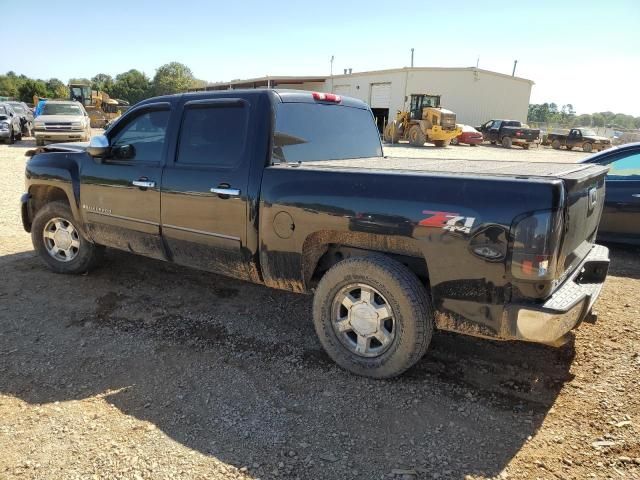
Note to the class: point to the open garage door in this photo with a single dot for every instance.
(380, 95)
(380, 102)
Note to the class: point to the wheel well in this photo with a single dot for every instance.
(319, 257)
(40, 195)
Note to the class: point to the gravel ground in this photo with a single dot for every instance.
(143, 369)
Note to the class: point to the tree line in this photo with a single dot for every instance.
(566, 116)
(131, 86)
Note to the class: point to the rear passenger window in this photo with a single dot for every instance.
(213, 135)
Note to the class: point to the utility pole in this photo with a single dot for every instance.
(412, 58)
(515, 62)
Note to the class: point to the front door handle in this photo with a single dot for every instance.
(144, 183)
(229, 192)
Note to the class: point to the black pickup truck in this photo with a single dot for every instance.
(508, 133)
(290, 190)
(584, 138)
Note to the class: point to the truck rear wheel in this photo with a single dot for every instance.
(556, 144)
(373, 316)
(417, 136)
(60, 243)
(587, 147)
(507, 142)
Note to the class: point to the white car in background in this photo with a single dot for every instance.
(62, 121)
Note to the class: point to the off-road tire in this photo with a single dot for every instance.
(406, 296)
(587, 147)
(391, 134)
(556, 144)
(507, 142)
(89, 254)
(417, 137)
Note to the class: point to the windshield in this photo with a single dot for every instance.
(3, 111)
(61, 109)
(308, 132)
(587, 131)
(18, 108)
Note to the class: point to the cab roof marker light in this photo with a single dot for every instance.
(326, 97)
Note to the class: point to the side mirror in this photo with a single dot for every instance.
(98, 146)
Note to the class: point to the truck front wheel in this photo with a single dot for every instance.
(556, 144)
(507, 142)
(587, 147)
(373, 316)
(60, 243)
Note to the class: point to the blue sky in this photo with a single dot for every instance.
(586, 53)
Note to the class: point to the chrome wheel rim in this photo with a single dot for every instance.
(61, 239)
(363, 320)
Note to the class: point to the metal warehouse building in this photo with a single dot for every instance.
(475, 95)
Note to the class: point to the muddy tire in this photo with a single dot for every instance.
(417, 136)
(59, 242)
(391, 133)
(556, 144)
(507, 142)
(373, 316)
(587, 147)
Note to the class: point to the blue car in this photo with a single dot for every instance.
(621, 215)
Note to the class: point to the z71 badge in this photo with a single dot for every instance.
(449, 221)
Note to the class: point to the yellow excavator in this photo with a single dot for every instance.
(426, 121)
(101, 108)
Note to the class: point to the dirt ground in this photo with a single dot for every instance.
(145, 370)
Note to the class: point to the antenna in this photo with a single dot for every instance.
(515, 62)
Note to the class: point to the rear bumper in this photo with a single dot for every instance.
(567, 307)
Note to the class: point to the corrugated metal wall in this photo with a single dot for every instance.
(475, 95)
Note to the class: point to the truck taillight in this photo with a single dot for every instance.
(518, 133)
(536, 241)
(326, 97)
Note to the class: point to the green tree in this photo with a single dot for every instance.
(173, 77)
(80, 80)
(102, 82)
(8, 86)
(29, 88)
(132, 86)
(583, 120)
(57, 89)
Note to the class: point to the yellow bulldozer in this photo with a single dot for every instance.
(101, 108)
(426, 121)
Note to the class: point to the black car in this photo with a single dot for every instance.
(26, 117)
(621, 215)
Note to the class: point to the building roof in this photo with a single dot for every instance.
(274, 81)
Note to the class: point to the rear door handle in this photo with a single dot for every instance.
(230, 192)
(144, 183)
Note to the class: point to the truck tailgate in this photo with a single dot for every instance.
(585, 191)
